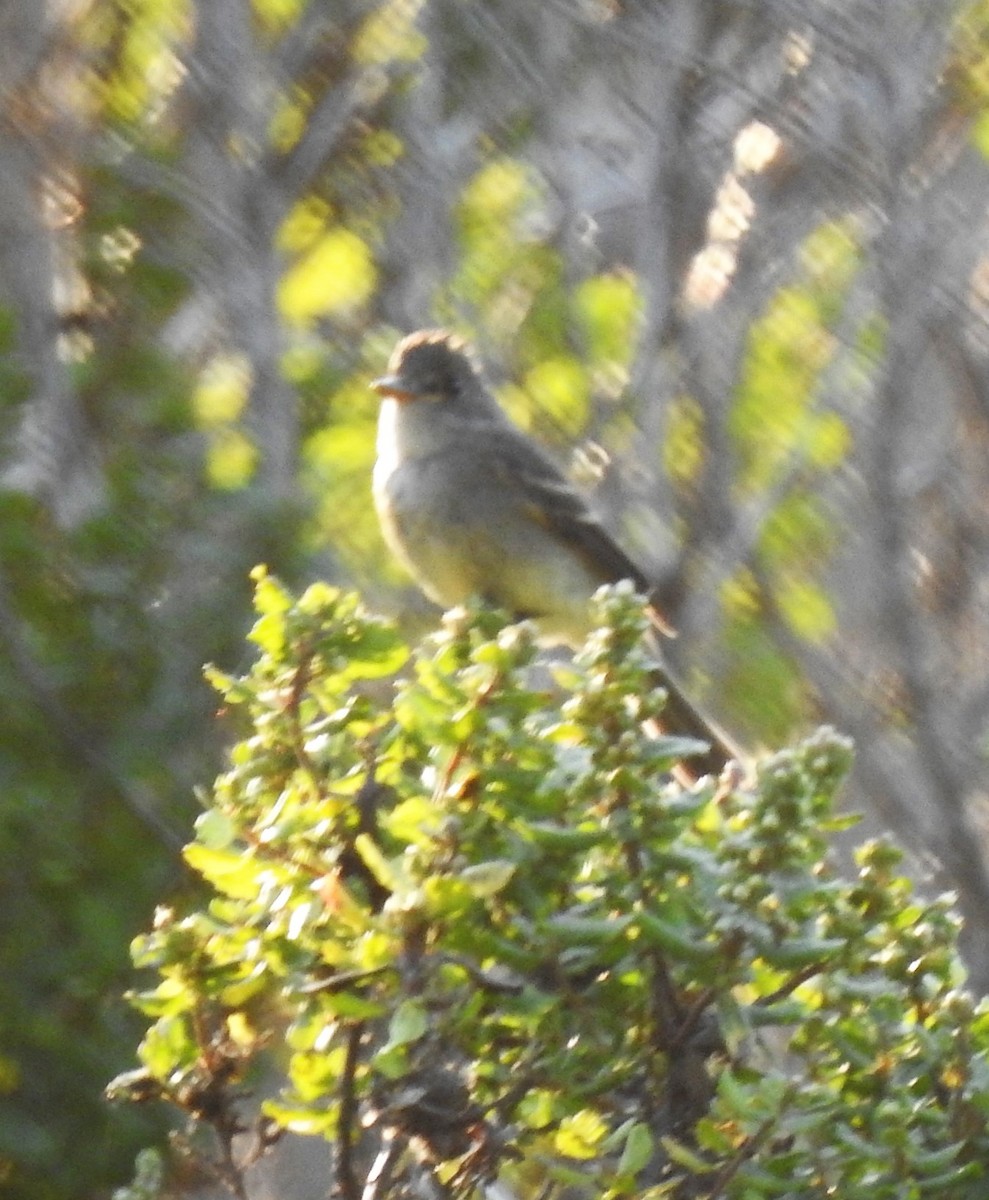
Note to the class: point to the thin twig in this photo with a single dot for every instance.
(791, 985)
(747, 1150)
(346, 1177)
(458, 755)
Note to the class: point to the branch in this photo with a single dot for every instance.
(345, 1175)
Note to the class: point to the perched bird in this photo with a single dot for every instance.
(473, 507)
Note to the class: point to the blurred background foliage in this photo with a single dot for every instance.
(734, 255)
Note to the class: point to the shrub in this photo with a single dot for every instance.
(484, 934)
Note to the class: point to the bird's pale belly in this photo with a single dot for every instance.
(456, 547)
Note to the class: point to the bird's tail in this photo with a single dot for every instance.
(682, 718)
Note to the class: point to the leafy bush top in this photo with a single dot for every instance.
(484, 934)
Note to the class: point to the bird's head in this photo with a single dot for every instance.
(433, 365)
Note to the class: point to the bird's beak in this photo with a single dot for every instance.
(392, 385)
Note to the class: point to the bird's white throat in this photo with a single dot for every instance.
(409, 429)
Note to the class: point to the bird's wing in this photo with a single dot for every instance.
(549, 498)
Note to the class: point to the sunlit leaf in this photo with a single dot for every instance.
(807, 609)
(390, 34)
(278, 14)
(301, 1119)
(233, 873)
(337, 275)
(580, 1135)
(560, 387)
(168, 1047)
(231, 460)
(609, 307)
(307, 221)
(222, 391)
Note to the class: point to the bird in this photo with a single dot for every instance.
(472, 506)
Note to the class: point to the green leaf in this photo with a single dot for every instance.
(352, 1006)
(301, 1120)
(680, 940)
(587, 931)
(798, 952)
(487, 879)
(408, 1024)
(168, 1048)
(235, 873)
(553, 836)
(387, 873)
(609, 308)
(685, 1157)
(269, 633)
(215, 830)
(637, 1151)
(560, 388)
(375, 651)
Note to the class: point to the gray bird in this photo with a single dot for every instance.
(473, 507)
